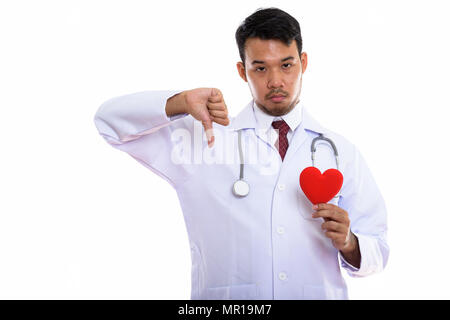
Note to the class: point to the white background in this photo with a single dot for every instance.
(81, 220)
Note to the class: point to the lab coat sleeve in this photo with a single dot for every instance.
(365, 205)
(138, 125)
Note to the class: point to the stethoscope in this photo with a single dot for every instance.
(241, 188)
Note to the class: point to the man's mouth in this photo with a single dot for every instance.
(277, 98)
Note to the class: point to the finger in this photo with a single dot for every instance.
(218, 114)
(334, 226)
(216, 105)
(207, 125)
(215, 95)
(222, 121)
(330, 214)
(329, 206)
(339, 238)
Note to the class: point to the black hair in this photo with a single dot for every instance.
(269, 23)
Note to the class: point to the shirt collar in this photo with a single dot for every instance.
(264, 120)
(253, 117)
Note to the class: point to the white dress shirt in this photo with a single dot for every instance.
(265, 245)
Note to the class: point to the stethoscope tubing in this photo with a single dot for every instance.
(241, 180)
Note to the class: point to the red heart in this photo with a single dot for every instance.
(318, 187)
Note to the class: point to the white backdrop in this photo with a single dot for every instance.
(81, 220)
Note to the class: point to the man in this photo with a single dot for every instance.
(272, 243)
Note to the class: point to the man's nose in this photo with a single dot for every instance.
(275, 80)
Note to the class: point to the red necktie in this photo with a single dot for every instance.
(282, 143)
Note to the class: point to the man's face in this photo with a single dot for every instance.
(273, 69)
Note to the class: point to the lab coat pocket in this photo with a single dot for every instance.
(313, 292)
(236, 292)
(304, 206)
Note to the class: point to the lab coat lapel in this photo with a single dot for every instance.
(246, 120)
(300, 134)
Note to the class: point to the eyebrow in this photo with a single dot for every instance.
(282, 60)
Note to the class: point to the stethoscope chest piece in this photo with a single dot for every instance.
(241, 188)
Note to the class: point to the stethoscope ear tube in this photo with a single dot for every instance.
(241, 157)
(241, 188)
(313, 148)
(313, 151)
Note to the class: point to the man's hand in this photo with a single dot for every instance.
(337, 226)
(204, 104)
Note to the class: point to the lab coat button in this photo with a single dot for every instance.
(282, 276)
(280, 230)
(281, 187)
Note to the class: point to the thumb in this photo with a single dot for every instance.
(207, 125)
(215, 95)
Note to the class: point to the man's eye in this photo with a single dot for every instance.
(259, 68)
(287, 64)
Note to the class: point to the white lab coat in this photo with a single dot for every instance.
(266, 245)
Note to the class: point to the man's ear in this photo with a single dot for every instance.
(241, 69)
(304, 59)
